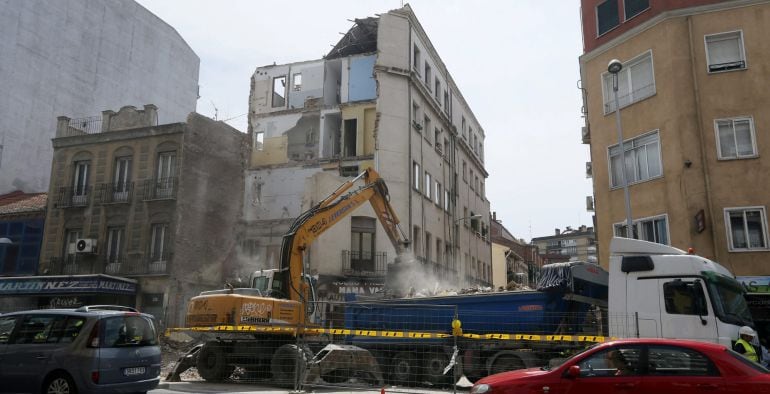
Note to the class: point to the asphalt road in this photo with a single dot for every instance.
(204, 387)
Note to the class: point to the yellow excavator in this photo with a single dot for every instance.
(280, 304)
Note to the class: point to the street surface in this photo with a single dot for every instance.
(204, 387)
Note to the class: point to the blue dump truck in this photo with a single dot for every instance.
(412, 338)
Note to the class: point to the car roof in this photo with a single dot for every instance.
(75, 312)
(664, 341)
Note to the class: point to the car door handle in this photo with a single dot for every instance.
(626, 385)
(708, 386)
(41, 357)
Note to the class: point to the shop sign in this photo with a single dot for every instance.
(755, 284)
(54, 285)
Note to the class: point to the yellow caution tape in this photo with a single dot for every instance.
(393, 334)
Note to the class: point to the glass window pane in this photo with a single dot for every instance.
(634, 7)
(607, 16)
(726, 139)
(676, 361)
(660, 228)
(617, 175)
(631, 174)
(653, 160)
(641, 164)
(745, 147)
(737, 230)
(754, 226)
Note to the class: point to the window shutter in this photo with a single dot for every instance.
(724, 49)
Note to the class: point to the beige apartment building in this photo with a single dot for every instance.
(381, 98)
(694, 108)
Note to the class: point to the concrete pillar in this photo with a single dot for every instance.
(150, 115)
(106, 118)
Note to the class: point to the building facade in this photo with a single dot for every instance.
(693, 106)
(574, 244)
(129, 198)
(21, 232)
(78, 57)
(382, 98)
(515, 263)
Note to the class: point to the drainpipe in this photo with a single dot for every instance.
(409, 169)
(701, 141)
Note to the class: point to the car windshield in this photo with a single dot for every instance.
(129, 330)
(260, 283)
(747, 362)
(727, 296)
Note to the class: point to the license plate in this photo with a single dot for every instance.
(133, 371)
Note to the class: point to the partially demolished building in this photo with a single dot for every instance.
(382, 98)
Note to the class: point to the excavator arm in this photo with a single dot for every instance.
(324, 215)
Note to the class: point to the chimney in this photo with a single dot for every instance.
(494, 216)
(558, 231)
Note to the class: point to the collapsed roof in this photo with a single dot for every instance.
(361, 38)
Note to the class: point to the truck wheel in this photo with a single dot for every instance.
(506, 362)
(434, 368)
(284, 364)
(402, 368)
(212, 364)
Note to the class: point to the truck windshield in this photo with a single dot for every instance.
(260, 283)
(727, 296)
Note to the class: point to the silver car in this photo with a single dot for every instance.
(92, 349)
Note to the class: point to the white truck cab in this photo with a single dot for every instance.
(658, 291)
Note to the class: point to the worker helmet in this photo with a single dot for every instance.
(746, 330)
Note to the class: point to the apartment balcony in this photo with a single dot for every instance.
(364, 264)
(72, 197)
(115, 193)
(160, 189)
(144, 266)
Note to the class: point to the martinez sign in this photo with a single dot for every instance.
(58, 285)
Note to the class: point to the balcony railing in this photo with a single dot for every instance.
(83, 264)
(160, 189)
(364, 264)
(115, 193)
(71, 197)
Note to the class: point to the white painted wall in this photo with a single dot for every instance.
(77, 58)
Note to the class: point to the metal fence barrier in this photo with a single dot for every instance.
(400, 346)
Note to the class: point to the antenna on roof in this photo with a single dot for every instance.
(216, 111)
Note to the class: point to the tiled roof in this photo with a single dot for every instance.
(19, 202)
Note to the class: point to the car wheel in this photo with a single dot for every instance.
(60, 383)
(435, 363)
(401, 368)
(284, 364)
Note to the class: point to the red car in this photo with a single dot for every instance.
(655, 366)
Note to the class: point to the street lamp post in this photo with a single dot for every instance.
(614, 68)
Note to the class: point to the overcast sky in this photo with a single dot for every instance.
(515, 62)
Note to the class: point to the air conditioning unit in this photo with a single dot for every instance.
(589, 203)
(85, 245)
(589, 169)
(585, 134)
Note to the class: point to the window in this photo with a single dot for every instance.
(473, 187)
(678, 361)
(427, 76)
(279, 91)
(428, 246)
(6, 328)
(635, 7)
(735, 138)
(725, 51)
(259, 140)
(426, 127)
(362, 236)
(437, 139)
(159, 243)
(446, 148)
(746, 228)
(438, 194)
(470, 132)
(166, 173)
(115, 241)
(447, 199)
(641, 159)
(615, 361)
(416, 58)
(428, 186)
(80, 182)
(465, 171)
(122, 179)
(636, 82)
(416, 241)
(350, 135)
(446, 102)
(437, 90)
(653, 229)
(684, 298)
(297, 82)
(439, 251)
(607, 16)
(417, 175)
(481, 189)
(465, 216)
(40, 329)
(476, 183)
(416, 117)
(462, 127)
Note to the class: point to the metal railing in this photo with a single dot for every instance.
(71, 197)
(85, 264)
(90, 125)
(74, 264)
(160, 189)
(113, 193)
(364, 264)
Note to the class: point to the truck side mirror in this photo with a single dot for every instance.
(573, 372)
